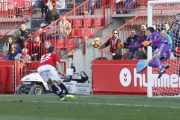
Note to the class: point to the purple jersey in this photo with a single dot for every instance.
(153, 36)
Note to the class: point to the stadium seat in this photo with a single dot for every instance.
(61, 44)
(88, 22)
(77, 32)
(70, 21)
(69, 43)
(77, 22)
(97, 22)
(87, 32)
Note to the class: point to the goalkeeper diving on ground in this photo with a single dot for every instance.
(162, 51)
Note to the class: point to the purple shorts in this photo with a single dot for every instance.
(164, 50)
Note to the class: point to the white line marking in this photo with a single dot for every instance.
(92, 103)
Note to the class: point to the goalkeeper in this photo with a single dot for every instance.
(162, 50)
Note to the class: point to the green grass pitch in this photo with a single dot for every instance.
(88, 107)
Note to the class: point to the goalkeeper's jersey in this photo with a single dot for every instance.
(157, 44)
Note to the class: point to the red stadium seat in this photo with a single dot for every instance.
(97, 22)
(69, 43)
(88, 22)
(87, 32)
(77, 22)
(61, 44)
(70, 21)
(77, 32)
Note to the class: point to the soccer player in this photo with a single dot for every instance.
(50, 75)
(162, 51)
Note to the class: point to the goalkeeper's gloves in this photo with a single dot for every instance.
(122, 45)
(146, 43)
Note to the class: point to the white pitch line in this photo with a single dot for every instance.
(92, 103)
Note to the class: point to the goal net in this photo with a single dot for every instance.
(164, 16)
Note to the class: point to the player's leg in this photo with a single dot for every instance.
(63, 88)
(55, 90)
(164, 52)
(55, 77)
(44, 73)
(156, 62)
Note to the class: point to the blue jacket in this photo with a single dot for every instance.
(7, 57)
(19, 50)
(168, 39)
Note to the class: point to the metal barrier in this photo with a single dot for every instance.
(83, 26)
(14, 13)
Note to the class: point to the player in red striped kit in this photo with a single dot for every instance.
(50, 75)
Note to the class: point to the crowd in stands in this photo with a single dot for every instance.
(170, 32)
(18, 47)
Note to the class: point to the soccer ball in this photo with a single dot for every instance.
(95, 43)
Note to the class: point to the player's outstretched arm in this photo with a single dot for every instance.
(121, 46)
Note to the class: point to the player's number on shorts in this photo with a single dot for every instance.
(45, 57)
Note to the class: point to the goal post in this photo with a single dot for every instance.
(161, 13)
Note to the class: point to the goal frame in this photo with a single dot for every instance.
(149, 56)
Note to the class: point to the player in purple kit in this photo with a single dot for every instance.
(162, 49)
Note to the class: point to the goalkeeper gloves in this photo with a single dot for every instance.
(146, 43)
(120, 45)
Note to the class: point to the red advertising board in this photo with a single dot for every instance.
(118, 76)
(121, 76)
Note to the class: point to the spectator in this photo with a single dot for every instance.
(65, 28)
(154, 26)
(8, 44)
(16, 46)
(174, 31)
(142, 35)
(167, 38)
(167, 28)
(140, 54)
(28, 43)
(5, 52)
(42, 4)
(127, 55)
(159, 28)
(29, 34)
(113, 42)
(95, 3)
(127, 4)
(38, 49)
(177, 19)
(132, 40)
(176, 38)
(13, 54)
(20, 35)
(25, 56)
(51, 15)
(29, 46)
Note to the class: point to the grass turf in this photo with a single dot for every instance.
(88, 107)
